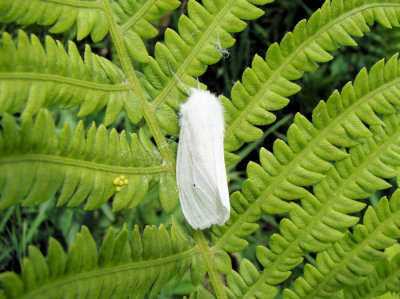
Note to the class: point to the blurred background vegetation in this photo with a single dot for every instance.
(23, 226)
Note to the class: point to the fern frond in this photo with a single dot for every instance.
(323, 217)
(83, 168)
(202, 35)
(348, 261)
(267, 85)
(127, 264)
(311, 149)
(306, 161)
(134, 17)
(32, 77)
(384, 277)
(87, 15)
(248, 275)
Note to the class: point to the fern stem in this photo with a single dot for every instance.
(138, 15)
(147, 109)
(65, 161)
(24, 76)
(76, 3)
(212, 273)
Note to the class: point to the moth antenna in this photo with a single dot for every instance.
(224, 52)
(179, 80)
(168, 142)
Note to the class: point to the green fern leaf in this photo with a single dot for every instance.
(119, 269)
(201, 37)
(87, 15)
(306, 159)
(135, 17)
(90, 17)
(267, 85)
(315, 226)
(348, 261)
(238, 283)
(52, 77)
(81, 168)
(385, 277)
(346, 153)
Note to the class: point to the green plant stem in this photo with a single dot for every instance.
(138, 15)
(147, 109)
(76, 3)
(212, 273)
(82, 164)
(28, 77)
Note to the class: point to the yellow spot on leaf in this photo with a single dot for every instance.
(126, 182)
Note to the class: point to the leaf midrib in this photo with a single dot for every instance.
(127, 66)
(75, 3)
(70, 162)
(138, 15)
(63, 80)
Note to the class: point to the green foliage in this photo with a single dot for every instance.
(58, 78)
(385, 275)
(320, 178)
(128, 263)
(353, 257)
(81, 168)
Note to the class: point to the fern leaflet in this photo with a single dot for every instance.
(311, 148)
(48, 77)
(82, 168)
(120, 268)
(323, 218)
(266, 86)
(349, 260)
(385, 276)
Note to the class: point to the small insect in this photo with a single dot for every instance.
(200, 166)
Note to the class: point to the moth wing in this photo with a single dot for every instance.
(201, 176)
(210, 174)
(189, 199)
(222, 181)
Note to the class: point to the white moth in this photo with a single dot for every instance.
(200, 166)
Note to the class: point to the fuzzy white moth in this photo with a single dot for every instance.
(200, 166)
